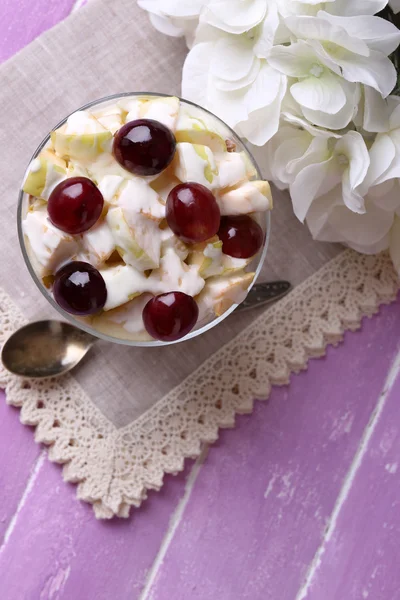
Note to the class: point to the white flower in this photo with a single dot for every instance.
(176, 18)
(323, 96)
(234, 16)
(355, 48)
(330, 220)
(229, 75)
(310, 81)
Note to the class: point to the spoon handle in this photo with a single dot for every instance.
(265, 293)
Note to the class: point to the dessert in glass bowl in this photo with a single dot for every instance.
(143, 219)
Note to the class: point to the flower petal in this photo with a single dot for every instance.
(361, 229)
(379, 34)
(381, 154)
(263, 123)
(376, 112)
(165, 25)
(196, 73)
(313, 181)
(343, 117)
(352, 145)
(233, 58)
(394, 169)
(386, 195)
(304, 124)
(234, 16)
(267, 33)
(351, 8)
(320, 93)
(182, 8)
(376, 71)
(295, 60)
(226, 86)
(315, 28)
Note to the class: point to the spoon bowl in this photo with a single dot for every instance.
(45, 349)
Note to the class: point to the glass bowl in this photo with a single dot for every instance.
(255, 265)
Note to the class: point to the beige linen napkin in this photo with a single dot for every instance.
(106, 48)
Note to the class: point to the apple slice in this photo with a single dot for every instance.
(130, 315)
(82, 137)
(196, 163)
(106, 163)
(195, 131)
(207, 256)
(123, 283)
(175, 275)
(48, 247)
(164, 110)
(43, 174)
(110, 186)
(137, 195)
(233, 168)
(130, 106)
(220, 293)
(99, 243)
(111, 118)
(164, 183)
(76, 169)
(137, 239)
(170, 240)
(248, 197)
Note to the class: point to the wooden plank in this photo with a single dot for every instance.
(360, 559)
(18, 458)
(261, 503)
(57, 549)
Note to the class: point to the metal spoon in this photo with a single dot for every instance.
(51, 348)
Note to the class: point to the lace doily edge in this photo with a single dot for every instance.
(106, 507)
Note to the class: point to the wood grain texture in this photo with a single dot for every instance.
(18, 457)
(361, 559)
(262, 501)
(57, 550)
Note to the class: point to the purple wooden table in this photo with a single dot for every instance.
(301, 500)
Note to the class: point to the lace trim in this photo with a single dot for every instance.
(113, 467)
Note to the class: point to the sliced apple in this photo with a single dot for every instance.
(123, 283)
(220, 293)
(174, 274)
(137, 195)
(110, 187)
(76, 169)
(195, 131)
(137, 239)
(164, 110)
(208, 257)
(99, 243)
(43, 174)
(233, 168)
(196, 163)
(106, 163)
(248, 197)
(170, 240)
(231, 264)
(130, 315)
(130, 107)
(82, 137)
(111, 118)
(48, 247)
(164, 183)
